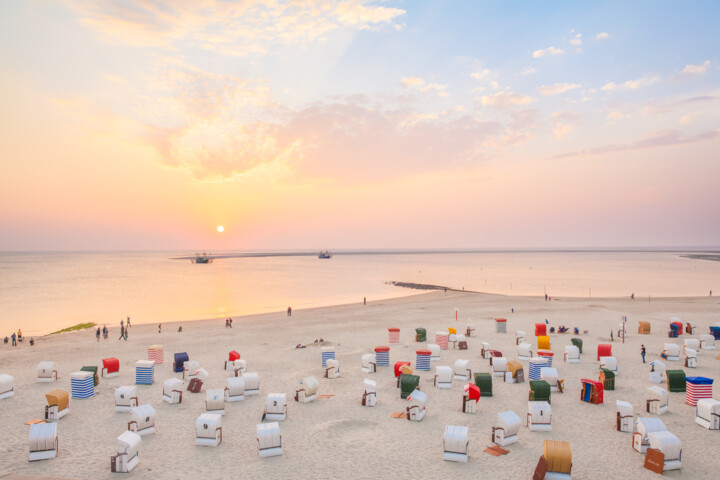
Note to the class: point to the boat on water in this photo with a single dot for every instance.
(201, 258)
(325, 254)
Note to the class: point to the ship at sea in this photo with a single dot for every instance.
(325, 254)
(204, 258)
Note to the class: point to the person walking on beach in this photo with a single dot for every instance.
(364, 300)
(611, 336)
(642, 352)
(14, 341)
(128, 321)
(122, 331)
(159, 327)
(105, 332)
(289, 311)
(97, 334)
(126, 334)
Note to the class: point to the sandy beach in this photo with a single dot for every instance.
(336, 436)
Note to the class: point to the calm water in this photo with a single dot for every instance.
(43, 292)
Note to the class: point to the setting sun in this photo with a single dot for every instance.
(220, 229)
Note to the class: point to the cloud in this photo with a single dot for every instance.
(615, 115)
(412, 82)
(659, 139)
(692, 71)
(562, 129)
(565, 122)
(576, 41)
(659, 108)
(631, 84)
(481, 74)
(528, 71)
(505, 99)
(422, 86)
(558, 88)
(547, 51)
(602, 36)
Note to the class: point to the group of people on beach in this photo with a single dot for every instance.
(228, 322)
(104, 333)
(15, 338)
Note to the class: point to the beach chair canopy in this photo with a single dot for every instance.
(408, 383)
(172, 384)
(42, 436)
(707, 407)
(540, 389)
(367, 359)
(549, 374)
(207, 424)
(461, 367)
(124, 393)
(540, 329)
(233, 355)
(671, 349)
(215, 398)
(60, 398)
(525, 349)
(558, 456)
(572, 351)
(252, 380)
(666, 442)
(444, 374)
(129, 443)
(420, 335)
(644, 328)
(604, 350)
(452, 331)
(645, 425)
(472, 391)
(456, 438)
(397, 367)
(509, 421)
(514, 366)
(45, 369)
(484, 381)
(7, 383)
(658, 393)
(658, 365)
(112, 365)
(520, 334)
(577, 342)
(235, 386)
(693, 343)
(676, 380)
(543, 342)
(310, 384)
(268, 435)
(144, 415)
(417, 397)
(180, 359)
(625, 409)
(370, 386)
(608, 362)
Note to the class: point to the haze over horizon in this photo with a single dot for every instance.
(147, 124)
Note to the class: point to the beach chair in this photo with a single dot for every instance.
(7, 386)
(393, 335)
(664, 449)
(111, 368)
(234, 389)
(416, 409)
(506, 429)
(715, 331)
(485, 350)
(443, 377)
(692, 343)
(179, 362)
(172, 391)
(239, 367)
(515, 372)
(369, 398)
(691, 360)
(399, 369)
(368, 364)
(555, 463)
(215, 401)
(441, 339)
(707, 413)
(675, 380)
(471, 396)
(657, 400)
(535, 366)
(230, 362)
(524, 351)
(671, 352)
(199, 373)
(499, 365)
(697, 388)
(578, 343)
(461, 341)
(126, 398)
(208, 430)
(643, 426)
(609, 363)
(58, 405)
(275, 406)
(462, 371)
(539, 416)
(624, 416)
(420, 335)
(382, 354)
(452, 340)
(543, 342)
(607, 378)
(540, 329)
(46, 372)
(539, 391)
(156, 353)
(252, 383)
(332, 369)
(519, 337)
(142, 419)
(144, 372)
(550, 375)
(707, 342)
(43, 441)
(128, 453)
(327, 353)
(592, 391)
(644, 328)
(484, 381)
(434, 351)
(455, 444)
(307, 390)
(657, 369)
(501, 325)
(690, 328)
(408, 383)
(82, 385)
(422, 359)
(269, 439)
(92, 369)
(572, 354)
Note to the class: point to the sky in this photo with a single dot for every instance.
(146, 124)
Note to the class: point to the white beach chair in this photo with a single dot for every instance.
(499, 366)
(519, 337)
(368, 363)
(208, 430)
(461, 340)
(691, 360)
(172, 390)
(707, 413)
(235, 389)
(657, 369)
(524, 351)
(506, 429)
(142, 419)
(624, 416)
(690, 328)
(416, 409)
(550, 375)
(369, 398)
(215, 401)
(643, 426)
(434, 351)
(46, 372)
(239, 367)
(252, 383)
(657, 400)
(275, 406)
(201, 374)
(610, 363)
(43, 441)
(7, 386)
(125, 398)
(539, 417)
(670, 447)
(332, 368)
(307, 390)
(269, 439)
(128, 453)
(572, 354)
(190, 369)
(462, 370)
(485, 350)
(692, 343)
(672, 352)
(443, 377)
(455, 443)
(58, 405)
(707, 341)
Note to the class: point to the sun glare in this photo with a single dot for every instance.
(220, 229)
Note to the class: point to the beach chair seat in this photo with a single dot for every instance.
(550, 375)
(234, 389)
(307, 389)
(416, 405)
(499, 365)
(215, 401)
(332, 369)
(572, 354)
(462, 371)
(43, 441)
(369, 398)
(128, 453)
(671, 352)
(643, 426)
(269, 439)
(172, 390)
(142, 419)
(506, 429)
(665, 447)
(368, 363)
(524, 351)
(46, 372)
(624, 416)
(276, 407)
(443, 377)
(455, 443)
(707, 413)
(539, 391)
(539, 416)
(126, 398)
(208, 430)
(7, 386)
(58, 405)
(252, 383)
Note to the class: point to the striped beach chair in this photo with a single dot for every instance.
(422, 360)
(326, 354)
(697, 388)
(535, 366)
(382, 355)
(156, 353)
(441, 339)
(393, 335)
(144, 372)
(82, 385)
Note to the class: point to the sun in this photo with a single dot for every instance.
(220, 229)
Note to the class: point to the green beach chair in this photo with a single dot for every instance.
(607, 378)
(577, 342)
(94, 372)
(408, 383)
(539, 391)
(484, 382)
(420, 335)
(675, 380)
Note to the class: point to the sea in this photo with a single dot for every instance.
(45, 292)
